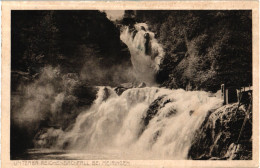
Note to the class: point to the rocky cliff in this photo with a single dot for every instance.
(222, 136)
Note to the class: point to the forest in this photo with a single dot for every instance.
(203, 48)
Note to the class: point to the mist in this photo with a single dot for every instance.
(42, 99)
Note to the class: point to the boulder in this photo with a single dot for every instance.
(119, 90)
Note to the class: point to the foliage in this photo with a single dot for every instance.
(203, 48)
(65, 38)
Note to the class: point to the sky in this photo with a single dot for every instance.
(114, 14)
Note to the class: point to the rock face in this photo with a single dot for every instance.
(124, 86)
(85, 94)
(218, 135)
(155, 106)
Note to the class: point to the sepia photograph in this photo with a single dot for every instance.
(128, 86)
(133, 84)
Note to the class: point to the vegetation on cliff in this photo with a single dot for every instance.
(223, 136)
(81, 42)
(203, 48)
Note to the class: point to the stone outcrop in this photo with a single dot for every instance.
(124, 86)
(219, 136)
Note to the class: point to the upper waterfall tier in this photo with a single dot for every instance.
(146, 52)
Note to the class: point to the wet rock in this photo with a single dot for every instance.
(218, 135)
(85, 94)
(106, 94)
(127, 85)
(191, 112)
(134, 33)
(143, 28)
(141, 85)
(154, 107)
(119, 90)
(123, 87)
(147, 44)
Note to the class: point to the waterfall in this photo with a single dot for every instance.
(140, 123)
(145, 122)
(146, 52)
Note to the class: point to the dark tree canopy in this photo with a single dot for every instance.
(67, 39)
(203, 48)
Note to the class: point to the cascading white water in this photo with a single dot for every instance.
(146, 52)
(116, 124)
(150, 122)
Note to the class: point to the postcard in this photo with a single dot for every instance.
(130, 84)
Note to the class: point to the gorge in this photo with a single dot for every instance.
(65, 103)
